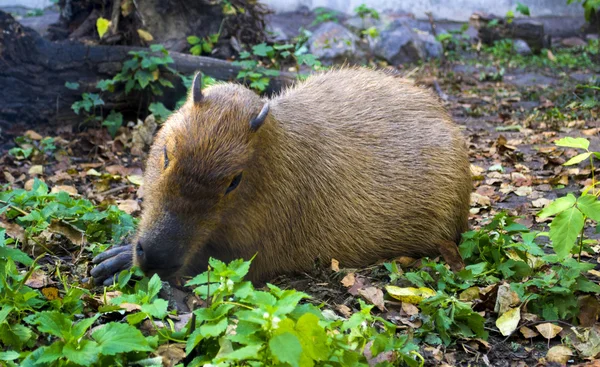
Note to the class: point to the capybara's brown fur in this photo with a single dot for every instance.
(352, 164)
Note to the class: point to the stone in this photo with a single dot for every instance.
(399, 44)
(432, 47)
(357, 24)
(333, 43)
(521, 47)
(573, 42)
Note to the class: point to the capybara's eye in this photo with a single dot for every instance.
(234, 183)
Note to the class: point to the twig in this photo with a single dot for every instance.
(114, 190)
(114, 20)
(432, 23)
(439, 90)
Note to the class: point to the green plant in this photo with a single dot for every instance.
(160, 112)
(264, 61)
(449, 318)
(454, 41)
(27, 147)
(273, 328)
(145, 70)
(113, 122)
(364, 12)
(324, 15)
(571, 213)
(252, 70)
(551, 293)
(590, 7)
(37, 209)
(89, 103)
(502, 247)
(202, 45)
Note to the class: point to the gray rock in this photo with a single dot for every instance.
(399, 44)
(333, 43)
(356, 24)
(521, 47)
(432, 47)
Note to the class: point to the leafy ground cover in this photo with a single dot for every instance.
(528, 296)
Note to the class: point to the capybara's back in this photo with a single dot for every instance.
(359, 166)
(352, 164)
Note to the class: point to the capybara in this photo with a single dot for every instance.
(352, 164)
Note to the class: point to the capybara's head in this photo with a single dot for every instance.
(195, 173)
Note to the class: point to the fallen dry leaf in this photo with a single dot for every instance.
(129, 206)
(374, 296)
(548, 330)
(33, 135)
(136, 179)
(171, 354)
(508, 322)
(38, 279)
(469, 294)
(410, 294)
(527, 332)
(506, 299)
(51, 293)
(348, 280)
(559, 354)
(344, 310)
(71, 190)
(410, 309)
(74, 235)
(589, 310)
(335, 265)
(36, 170)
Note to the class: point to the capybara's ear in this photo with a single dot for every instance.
(260, 118)
(197, 88)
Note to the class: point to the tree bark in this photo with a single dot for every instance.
(33, 73)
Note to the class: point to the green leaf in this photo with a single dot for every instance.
(53, 322)
(262, 49)
(159, 111)
(113, 122)
(286, 348)
(313, 336)
(157, 309)
(116, 337)
(590, 206)
(569, 142)
(557, 206)
(564, 230)
(143, 77)
(196, 50)
(10, 355)
(72, 85)
(51, 353)
(14, 335)
(523, 9)
(15, 255)
(250, 352)
(82, 326)
(85, 353)
(578, 158)
(192, 40)
(102, 25)
(213, 329)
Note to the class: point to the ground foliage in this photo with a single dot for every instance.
(528, 295)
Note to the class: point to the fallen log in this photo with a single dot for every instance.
(33, 73)
(491, 28)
